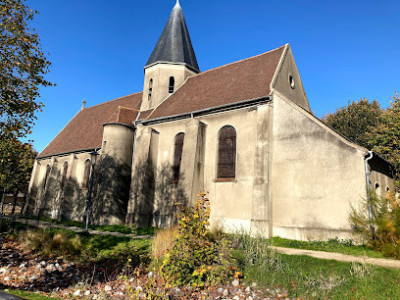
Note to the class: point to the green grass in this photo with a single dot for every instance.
(107, 228)
(312, 278)
(29, 295)
(334, 245)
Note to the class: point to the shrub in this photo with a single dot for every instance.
(197, 258)
(5, 225)
(382, 231)
(253, 251)
(50, 243)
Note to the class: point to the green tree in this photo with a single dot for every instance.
(22, 68)
(356, 120)
(16, 167)
(385, 137)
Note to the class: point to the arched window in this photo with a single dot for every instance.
(226, 152)
(150, 88)
(46, 176)
(64, 175)
(171, 86)
(178, 154)
(86, 174)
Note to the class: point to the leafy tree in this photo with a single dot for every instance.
(356, 120)
(22, 69)
(16, 167)
(385, 138)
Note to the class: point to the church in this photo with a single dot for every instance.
(243, 132)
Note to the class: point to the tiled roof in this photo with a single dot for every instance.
(239, 81)
(85, 130)
(123, 115)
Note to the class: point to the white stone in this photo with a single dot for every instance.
(226, 293)
(87, 293)
(235, 283)
(107, 288)
(248, 289)
(77, 293)
(139, 288)
(7, 278)
(236, 297)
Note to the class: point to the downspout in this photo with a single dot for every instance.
(367, 173)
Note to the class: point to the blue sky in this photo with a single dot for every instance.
(344, 50)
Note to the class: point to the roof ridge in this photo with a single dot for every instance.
(112, 100)
(238, 61)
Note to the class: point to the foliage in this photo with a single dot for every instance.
(5, 225)
(356, 120)
(385, 138)
(197, 258)
(16, 163)
(253, 252)
(22, 69)
(332, 245)
(382, 231)
(51, 244)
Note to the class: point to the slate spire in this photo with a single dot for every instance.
(174, 45)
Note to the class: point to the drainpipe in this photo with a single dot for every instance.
(367, 173)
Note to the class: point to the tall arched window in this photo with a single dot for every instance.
(171, 86)
(64, 175)
(150, 89)
(226, 152)
(86, 174)
(178, 154)
(46, 176)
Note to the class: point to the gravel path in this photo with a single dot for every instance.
(383, 262)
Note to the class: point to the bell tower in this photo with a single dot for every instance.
(171, 62)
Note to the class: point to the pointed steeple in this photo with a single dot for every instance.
(174, 45)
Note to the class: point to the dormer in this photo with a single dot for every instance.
(171, 62)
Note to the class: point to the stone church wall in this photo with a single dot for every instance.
(316, 175)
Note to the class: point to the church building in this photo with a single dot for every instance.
(243, 132)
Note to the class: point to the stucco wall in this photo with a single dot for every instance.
(160, 74)
(316, 174)
(295, 91)
(53, 201)
(231, 202)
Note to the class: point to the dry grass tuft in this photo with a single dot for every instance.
(163, 242)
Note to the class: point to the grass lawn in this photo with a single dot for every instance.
(344, 247)
(108, 228)
(29, 295)
(311, 278)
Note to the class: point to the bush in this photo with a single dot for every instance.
(51, 244)
(254, 252)
(197, 258)
(382, 231)
(5, 225)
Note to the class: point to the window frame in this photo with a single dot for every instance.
(176, 168)
(171, 85)
(87, 169)
(220, 177)
(64, 175)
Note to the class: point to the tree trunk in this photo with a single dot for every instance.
(15, 202)
(3, 195)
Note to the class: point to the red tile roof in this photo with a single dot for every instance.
(85, 130)
(242, 80)
(123, 115)
(239, 81)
